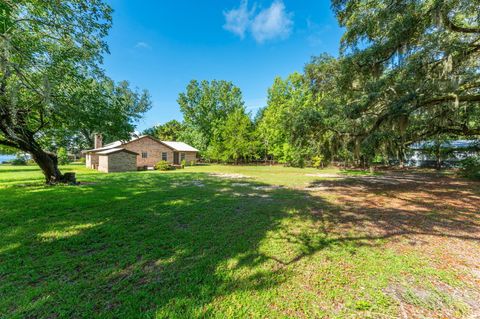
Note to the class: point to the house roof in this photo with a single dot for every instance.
(115, 150)
(176, 146)
(108, 146)
(180, 146)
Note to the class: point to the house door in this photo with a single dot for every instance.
(175, 158)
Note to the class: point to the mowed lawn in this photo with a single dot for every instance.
(235, 242)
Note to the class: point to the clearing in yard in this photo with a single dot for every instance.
(239, 241)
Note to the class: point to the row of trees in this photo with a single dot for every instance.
(407, 71)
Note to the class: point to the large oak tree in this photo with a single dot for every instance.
(51, 82)
(412, 68)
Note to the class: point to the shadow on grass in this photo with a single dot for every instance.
(406, 203)
(5, 168)
(164, 245)
(135, 243)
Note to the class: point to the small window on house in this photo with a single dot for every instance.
(144, 154)
(164, 156)
(182, 156)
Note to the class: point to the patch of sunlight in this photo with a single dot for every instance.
(166, 261)
(9, 247)
(66, 232)
(120, 197)
(233, 262)
(175, 202)
(41, 189)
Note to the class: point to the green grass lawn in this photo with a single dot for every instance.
(186, 244)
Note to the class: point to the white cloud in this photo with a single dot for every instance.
(238, 20)
(268, 24)
(142, 45)
(271, 23)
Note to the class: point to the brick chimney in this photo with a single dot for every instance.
(97, 140)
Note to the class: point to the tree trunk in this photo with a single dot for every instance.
(401, 157)
(439, 159)
(48, 162)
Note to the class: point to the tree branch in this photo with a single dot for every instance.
(8, 143)
(448, 98)
(456, 28)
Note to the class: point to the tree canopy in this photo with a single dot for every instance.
(206, 105)
(51, 83)
(170, 131)
(411, 68)
(407, 71)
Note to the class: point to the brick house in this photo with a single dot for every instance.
(138, 153)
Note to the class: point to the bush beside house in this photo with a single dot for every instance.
(164, 166)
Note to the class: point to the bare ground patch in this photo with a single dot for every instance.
(324, 175)
(435, 216)
(229, 176)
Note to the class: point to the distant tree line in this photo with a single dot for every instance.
(407, 71)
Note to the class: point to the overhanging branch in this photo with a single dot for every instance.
(450, 98)
(457, 28)
(8, 143)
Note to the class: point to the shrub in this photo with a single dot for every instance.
(164, 166)
(62, 156)
(82, 160)
(317, 161)
(192, 163)
(470, 167)
(31, 162)
(183, 163)
(19, 161)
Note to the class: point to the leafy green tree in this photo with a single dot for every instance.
(193, 137)
(238, 137)
(5, 150)
(411, 68)
(206, 105)
(170, 131)
(274, 128)
(106, 107)
(51, 85)
(62, 155)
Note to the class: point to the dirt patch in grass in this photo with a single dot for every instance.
(229, 176)
(236, 194)
(196, 183)
(437, 301)
(241, 184)
(324, 175)
(267, 188)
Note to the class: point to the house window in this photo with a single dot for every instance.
(182, 156)
(164, 156)
(144, 154)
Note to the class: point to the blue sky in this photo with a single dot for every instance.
(162, 45)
